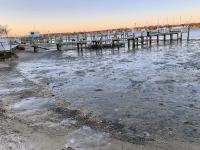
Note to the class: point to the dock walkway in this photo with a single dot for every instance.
(110, 39)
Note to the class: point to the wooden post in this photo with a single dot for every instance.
(150, 42)
(142, 40)
(118, 43)
(188, 36)
(113, 43)
(171, 37)
(78, 45)
(133, 43)
(181, 38)
(147, 40)
(81, 46)
(157, 39)
(177, 37)
(35, 47)
(58, 45)
(164, 38)
(129, 44)
(96, 44)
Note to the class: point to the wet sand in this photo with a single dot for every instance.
(142, 99)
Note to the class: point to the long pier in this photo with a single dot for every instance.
(108, 39)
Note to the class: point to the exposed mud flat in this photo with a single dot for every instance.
(28, 120)
(118, 99)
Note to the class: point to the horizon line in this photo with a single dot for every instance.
(107, 29)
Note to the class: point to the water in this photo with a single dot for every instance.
(195, 34)
(149, 92)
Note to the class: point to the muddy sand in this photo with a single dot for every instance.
(102, 100)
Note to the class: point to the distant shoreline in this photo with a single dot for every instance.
(137, 28)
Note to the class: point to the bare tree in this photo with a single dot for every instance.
(4, 29)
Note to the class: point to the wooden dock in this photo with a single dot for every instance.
(109, 39)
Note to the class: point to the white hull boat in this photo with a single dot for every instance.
(5, 43)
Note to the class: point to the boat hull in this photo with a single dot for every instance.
(6, 47)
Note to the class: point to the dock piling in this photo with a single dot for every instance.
(128, 44)
(150, 40)
(188, 34)
(134, 43)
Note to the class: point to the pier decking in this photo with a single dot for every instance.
(111, 39)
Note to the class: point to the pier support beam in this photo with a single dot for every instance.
(164, 38)
(128, 44)
(35, 48)
(150, 41)
(59, 46)
(181, 38)
(137, 42)
(171, 37)
(133, 43)
(80, 46)
(142, 40)
(158, 39)
(177, 37)
(188, 34)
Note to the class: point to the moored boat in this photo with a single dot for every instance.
(6, 44)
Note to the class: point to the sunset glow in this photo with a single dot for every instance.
(23, 16)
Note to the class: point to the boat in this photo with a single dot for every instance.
(34, 34)
(6, 44)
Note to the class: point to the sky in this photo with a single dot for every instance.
(54, 16)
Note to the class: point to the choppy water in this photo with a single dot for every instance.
(151, 92)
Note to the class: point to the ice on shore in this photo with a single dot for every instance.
(86, 138)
